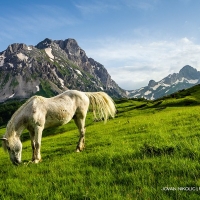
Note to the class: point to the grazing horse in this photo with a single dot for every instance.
(38, 113)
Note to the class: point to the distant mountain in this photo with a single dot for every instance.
(186, 78)
(49, 68)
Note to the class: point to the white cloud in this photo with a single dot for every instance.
(186, 40)
(132, 64)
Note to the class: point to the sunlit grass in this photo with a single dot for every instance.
(137, 155)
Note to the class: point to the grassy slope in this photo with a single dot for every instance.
(148, 146)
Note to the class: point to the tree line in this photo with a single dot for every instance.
(7, 109)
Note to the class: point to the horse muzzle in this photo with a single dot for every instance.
(16, 162)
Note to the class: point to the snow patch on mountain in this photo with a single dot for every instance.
(11, 96)
(140, 89)
(2, 58)
(11, 65)
(30, 48)
(156, 86)
(37, 88)
(49, 53)
(147, 92)
(193, 81)
(61, 82)
(152, 97)
(22, 57)
(79, 72)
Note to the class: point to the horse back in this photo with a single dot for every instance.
(60, 109)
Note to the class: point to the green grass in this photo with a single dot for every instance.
(147, 151)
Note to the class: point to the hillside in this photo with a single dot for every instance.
(150, 150)
(185, 97)
(49, 68)
(144, 153)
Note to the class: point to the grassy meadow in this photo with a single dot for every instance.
(149, 151)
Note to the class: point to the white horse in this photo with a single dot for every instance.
(39, 113)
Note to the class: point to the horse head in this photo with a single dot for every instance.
(14, 147)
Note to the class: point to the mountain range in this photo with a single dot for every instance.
(49, 68)
(186, 78)
(54, 66)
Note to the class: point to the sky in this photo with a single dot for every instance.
(135, 40)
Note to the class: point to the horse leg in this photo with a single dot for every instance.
(32, 136)
(80, 123)
(36, 144)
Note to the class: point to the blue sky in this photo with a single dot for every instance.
(136, 40)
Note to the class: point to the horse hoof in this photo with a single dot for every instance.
(78, 150)
(36, 161)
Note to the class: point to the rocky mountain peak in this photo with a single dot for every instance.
(49, 68)
(15, 47)
(71, 47)
(152, 83)
(44, 44)
(189, 72)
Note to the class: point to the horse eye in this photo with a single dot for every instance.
(8, 148)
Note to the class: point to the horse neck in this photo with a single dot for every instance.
(15, 126)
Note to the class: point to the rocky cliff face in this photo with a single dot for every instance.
(186, 78)
(49, 68)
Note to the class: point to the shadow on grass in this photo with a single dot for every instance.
(58, 129)
(51, 131)
(152, 151)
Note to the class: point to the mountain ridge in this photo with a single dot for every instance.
(185, 78)
(49, 68)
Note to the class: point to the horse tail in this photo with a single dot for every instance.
(102, 105)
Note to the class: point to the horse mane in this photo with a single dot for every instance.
(103, 106)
